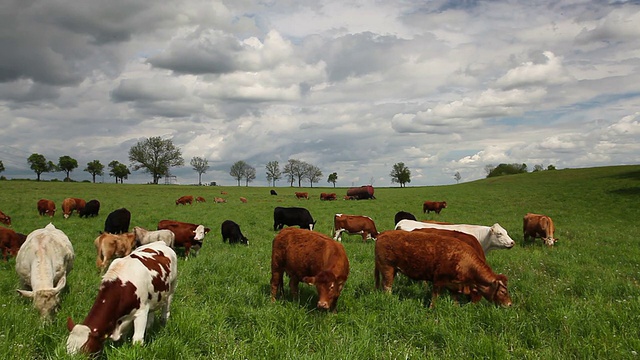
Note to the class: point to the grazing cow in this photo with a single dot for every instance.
(224, 193)
(68, 205)
(403, 215)
(442, 260)
(5, 219)
(243, 200)
(187, 235)
(302, 195)
(92, 208)
(310, 257)
(200, 199)
(292, 216)
(184, 200)
(109, 246)
(349, 197)
(219, 200)
(131, 290)
(464, 237)
(118, 221)
(354, 224)
(273, 192)
(144, 236)
(436, 206)
(536, 225)
(490, 238)
(80, 204)
(42, 264)
(10, 242)
(231, 231)
(328, 196)
(46, 207)
(361, 193)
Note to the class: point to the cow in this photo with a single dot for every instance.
(131, 290)
(92, 208)
(328, 196)
(273, 192)
(68, 205)
(464, 237)
(218, 200)
(200, 199)
(224, 193)
(187, 235)
(231, 231)
(117, 221)
(402, 215)
(144, 236)
(184, 200)
(113, 245)
(302, 195)
(436, 206)
(310, 257)
(42, 264)
(349, 197)
(354, 224)
(46, 207)
(292, 216)
(5, 219)
(441, 260)
(536, 225)
(10, 242)
(243, 200)
(490, 237)
(80, 204)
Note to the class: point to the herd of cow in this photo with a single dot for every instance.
(142, 273)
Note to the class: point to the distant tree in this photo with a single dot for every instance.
(333, 177)
(66, 163)
(457, 176)
(95, 168)
(39, 164)
(1, 166)
(312, 173)
(508, 169)
(400, 174)
(119, 171)
(238, 169)
(295, 169)
(156, 156)
(538, 168)
(488, 168)
(200, 165)
(551, 167)
(249, 174)
(273, 172)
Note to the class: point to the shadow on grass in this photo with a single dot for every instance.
(635, 175)
(631, 191)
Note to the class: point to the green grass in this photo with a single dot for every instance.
(579, 299)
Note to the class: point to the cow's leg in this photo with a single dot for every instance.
(365, 236)
(187, 247)
(140, 324)
(434, 295)
(293, 286)
(388, 274)
(338, 236)
(276, 284)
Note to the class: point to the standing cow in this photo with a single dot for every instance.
(187, 235)
(310, 257)
(10, 242)
(144, 236)
(113, 245)
(435, 206)
(184, 200)
(118, 221)
(68, 205)
(302, 195)
(92, 208)
(46, 207)
(231, 231)
(403, 215)
(354, 224)
(292, 216)
(536, 225)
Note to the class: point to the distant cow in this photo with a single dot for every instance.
(144, 236)
(200, 199)
(243, 200)
(444, 261)
(131, 290)
(10, 242)
(328, 196)
(436, 206)
(231, 231)
(354, 224)
(68, 205)
(46, 207)
(224, 193)
(80, 204)
(42, 264)
(310, 257)
(187, 235)
(109, 246)
(403, 215)
(292, 216)
(92, 208)
(184, 200)
(5, 219)
(219, 200)
(273, 192)
(118, 221)
(536, 225)
(302, 195)
(349, 197)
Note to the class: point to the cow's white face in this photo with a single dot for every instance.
(500, 238)
(199, 233)
(78, 336)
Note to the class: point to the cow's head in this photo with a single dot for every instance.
(5, 219)
(498, 292)
(200, 232)
(311, 225)
(46, 301)
(500, 239)
(549, 241)
(328, 287)
(83, 339)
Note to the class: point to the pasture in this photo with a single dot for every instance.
(579, 299)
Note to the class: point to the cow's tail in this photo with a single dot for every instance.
(376, 275)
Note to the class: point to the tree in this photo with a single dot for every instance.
(200, 165)
(538, 167)
(95, 168)
(551, 167)
(39, 164)
(156, 156)
(400, 174)
(457, 176)
(312, 173)
(488, 168)
(238, 170)
(249, 174)
(273, 172)
(66, 163)
(508, 169)
(1, 166)
(295, 169)
(119, 171)
(333, 177)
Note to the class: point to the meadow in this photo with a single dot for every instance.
(579, 299)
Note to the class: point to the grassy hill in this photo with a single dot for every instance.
(579, 299)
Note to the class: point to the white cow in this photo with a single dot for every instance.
(490, 237)
(144, 236)
(42, 264)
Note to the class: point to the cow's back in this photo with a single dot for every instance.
(46, 255)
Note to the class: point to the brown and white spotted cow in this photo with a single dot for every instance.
(354, 224)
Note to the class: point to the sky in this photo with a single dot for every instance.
(350, 87)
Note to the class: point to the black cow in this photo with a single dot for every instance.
(402, 215)
(118, 221)
(273, 192)
(230, 230)
(90, 209)
(292, 216)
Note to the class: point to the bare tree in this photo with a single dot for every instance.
(249, 174)
(200, 165)
(295, 169)
(238, 170)
(273, 172)
(312, 173)
(457, 176)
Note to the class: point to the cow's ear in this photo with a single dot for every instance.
(26, 293)
(70, 324)
(61, 283)
(206, 230)
(311, 280)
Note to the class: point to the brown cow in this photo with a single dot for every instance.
(436, 206)
(536, 225)
(354, 224)
(464, 237)
(46, 206)
(243, 200)
(224, 193)
(302, 195)
(310, 257)
(328, 196)
(5, 219)
(200, 199)
(187, 235)
(113, 245)
(184, 200)
(10, 242)
(219, 200)
(68, 205)
(80, 204)
(442, 260)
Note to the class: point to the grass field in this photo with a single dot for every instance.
(577, 300)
